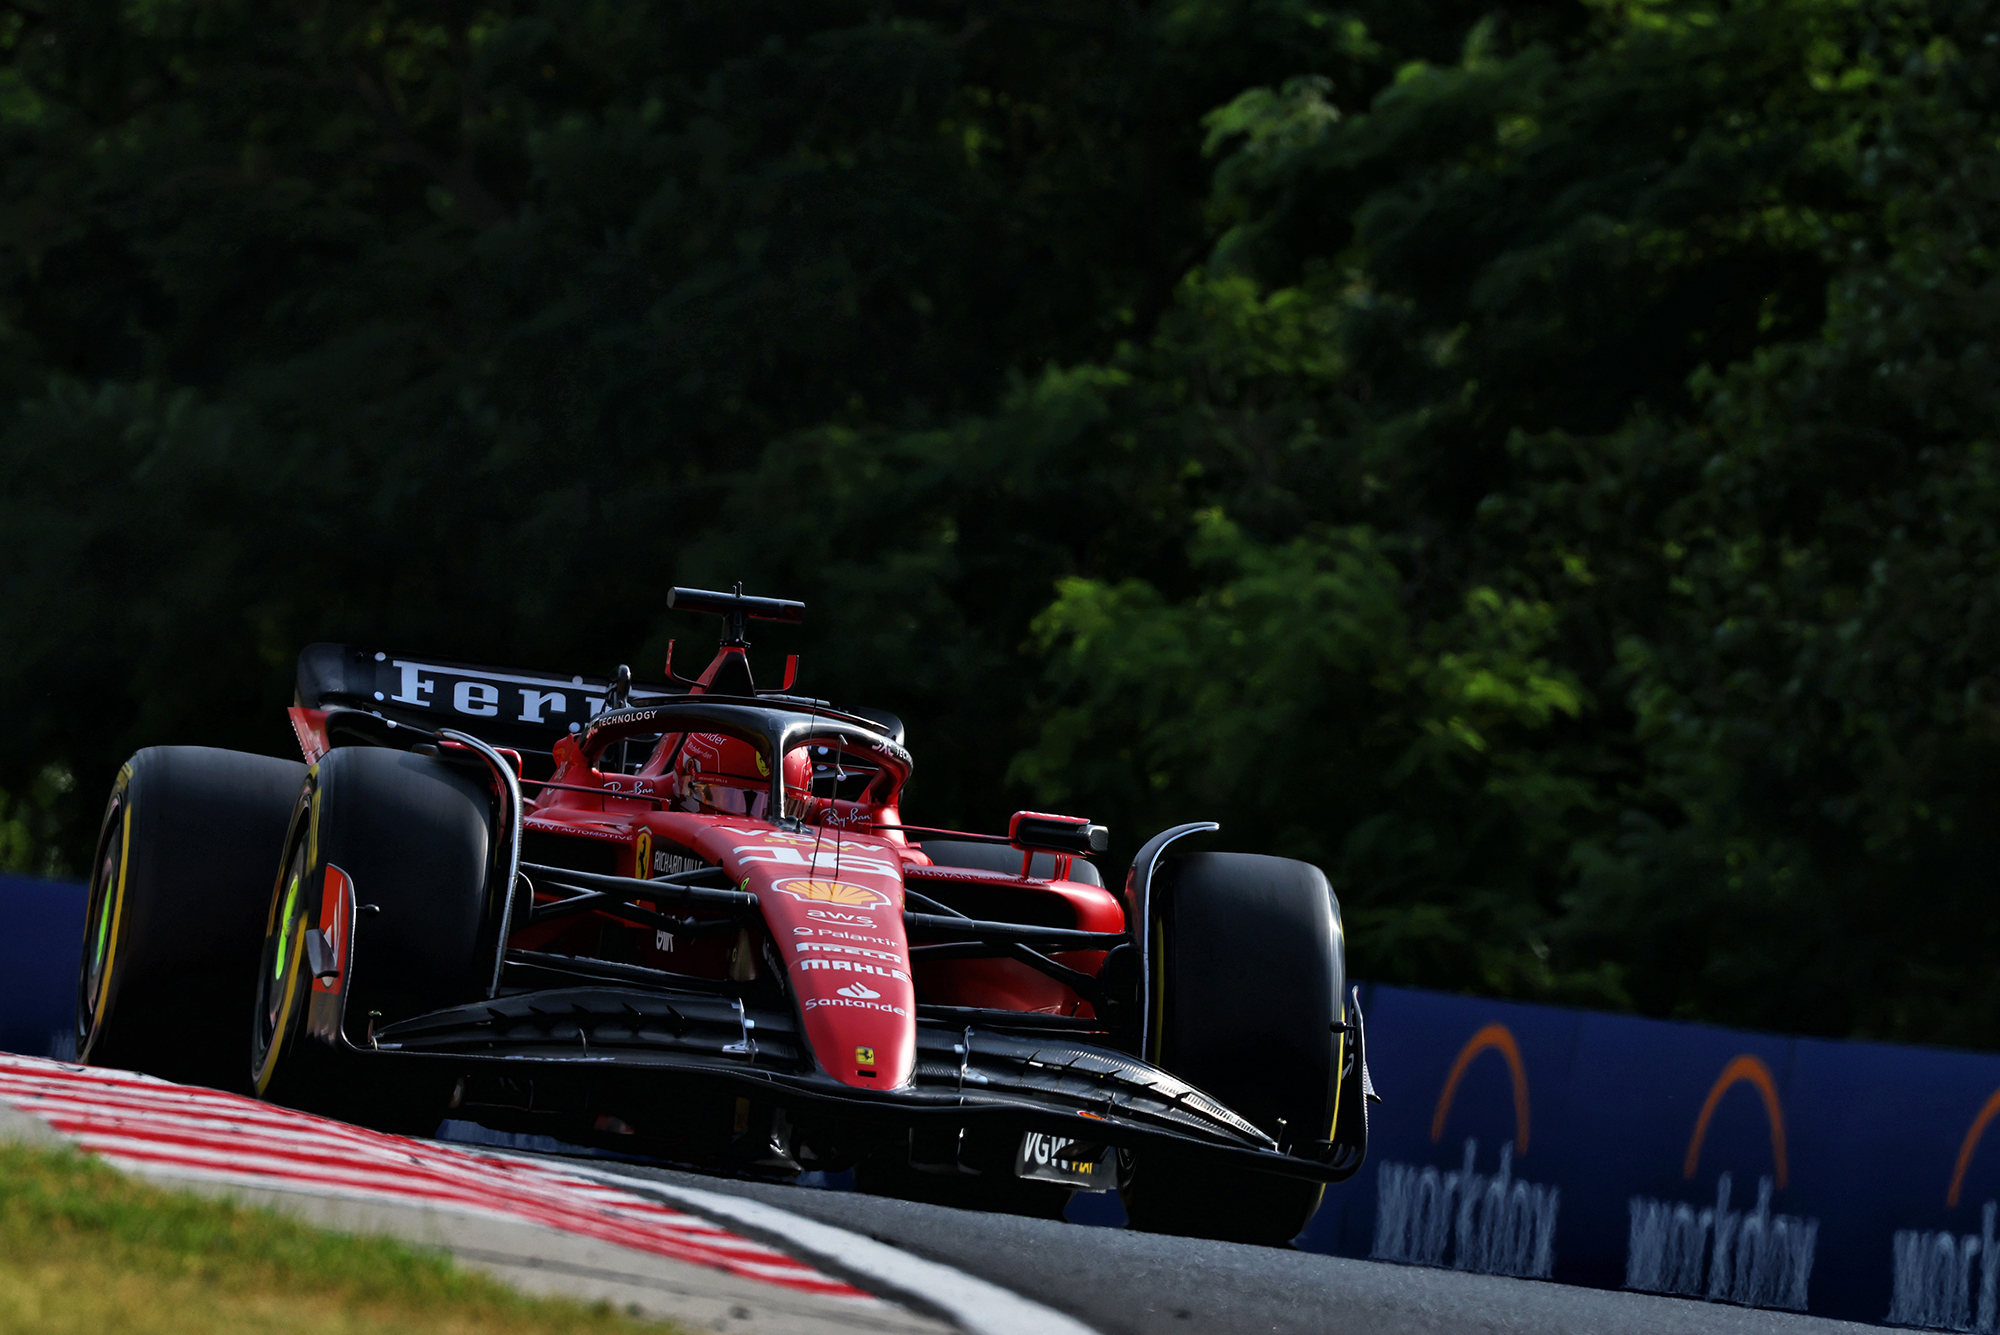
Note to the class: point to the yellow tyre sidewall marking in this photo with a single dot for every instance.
(1159, 988)
(290, 951)
(270, 1063)
(117, 892)
(1339, 1071)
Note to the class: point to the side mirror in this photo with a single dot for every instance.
(1037, 831)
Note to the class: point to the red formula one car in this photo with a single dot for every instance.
(691, 924)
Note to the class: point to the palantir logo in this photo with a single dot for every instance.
(1758, 1259)
(1492, 1225)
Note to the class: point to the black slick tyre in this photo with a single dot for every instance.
(191, 840)
(410, 839)
(1249, 976)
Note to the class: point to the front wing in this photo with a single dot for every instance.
(966, 1075)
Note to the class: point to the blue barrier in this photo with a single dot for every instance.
(41, 942)
(1852, 1180)
(1847, 1179)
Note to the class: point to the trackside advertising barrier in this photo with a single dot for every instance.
(1854, 1180)
(41, 941)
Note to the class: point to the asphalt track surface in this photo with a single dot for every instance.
(1126, 1283)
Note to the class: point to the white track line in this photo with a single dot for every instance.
(979, 1307)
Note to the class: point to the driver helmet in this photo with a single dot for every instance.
(719, 775)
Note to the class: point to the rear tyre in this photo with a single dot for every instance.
(1248, 984)
(191, 839)
(413, 836)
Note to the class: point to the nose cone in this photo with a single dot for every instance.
(833, 903)
(849, 964)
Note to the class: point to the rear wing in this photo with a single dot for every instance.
(524, 710)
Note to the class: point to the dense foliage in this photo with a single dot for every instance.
(1536, 463)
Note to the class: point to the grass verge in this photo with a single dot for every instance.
(87, 1249)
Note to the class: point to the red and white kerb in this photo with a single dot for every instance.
(174, 1131)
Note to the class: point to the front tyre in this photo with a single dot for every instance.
(1249, 975)
(379, 915)
(190, 841)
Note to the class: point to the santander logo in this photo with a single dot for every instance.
(859, 992)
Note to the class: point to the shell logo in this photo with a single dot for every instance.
(832, 892)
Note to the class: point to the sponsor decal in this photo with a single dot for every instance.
(858, 864)
(1754, 1258)
(890, 956)
(485, 694)
(864, 1056)
(1075, 1163)
(639, 788)
(667, 864)
(476, 698)
(663, 940)
(815, 1002)
(825, 843)
(839, 935)
(845, 893)
(414, 687)
(855, 966)
(1491, 1224)
(834, 915)
(1934, 1283)
(859, 991)
(533, 702)
(642, 853)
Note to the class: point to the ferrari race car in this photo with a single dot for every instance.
(691, 924)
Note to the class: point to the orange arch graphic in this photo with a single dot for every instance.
(1501, 1039)
(1742, 1067)
(1972, 1135)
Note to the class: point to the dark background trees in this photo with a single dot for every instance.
(1536, 463)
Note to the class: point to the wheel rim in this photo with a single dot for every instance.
(278, 978)
(106, 904)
